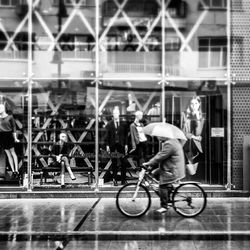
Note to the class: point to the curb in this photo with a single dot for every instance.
(92, 193)
(125, 235)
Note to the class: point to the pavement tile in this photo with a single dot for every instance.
(131, 245)
(76, 218)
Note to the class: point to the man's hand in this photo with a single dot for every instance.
(148, 167)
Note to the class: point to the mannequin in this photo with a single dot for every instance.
(8, 138)
(138, 138)
(155, 112)
(116, 139)
(192, 126)
(60, 153)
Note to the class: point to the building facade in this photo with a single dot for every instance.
(65, 65)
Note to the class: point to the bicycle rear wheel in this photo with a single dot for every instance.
(132, 206)
(189, 199)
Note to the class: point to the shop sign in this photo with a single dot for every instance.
(217, 132)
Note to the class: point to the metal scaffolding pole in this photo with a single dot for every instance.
(229, 120)
(97, 96)
(29, 81)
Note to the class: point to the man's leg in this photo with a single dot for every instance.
(165, 190)
(164, 195)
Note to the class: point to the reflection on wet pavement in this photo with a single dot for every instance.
(131, 245)
(91, 223)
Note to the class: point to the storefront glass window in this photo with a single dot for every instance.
(119, 104)
(13, 132)
(130, 38)
(199, 108)
(60, 109)
(201, 41)
(65, 39)
(13, 41)
(88, 62)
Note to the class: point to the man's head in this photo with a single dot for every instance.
(63, 137)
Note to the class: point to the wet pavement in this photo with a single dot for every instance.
(95, 223)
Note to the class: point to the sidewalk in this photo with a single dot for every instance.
(91, 219)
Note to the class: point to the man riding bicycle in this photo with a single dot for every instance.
(171, 169)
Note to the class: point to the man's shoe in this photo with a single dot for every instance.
(124, 182)
(115, 183)
(162, 210)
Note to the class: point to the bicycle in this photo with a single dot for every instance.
(134, 199)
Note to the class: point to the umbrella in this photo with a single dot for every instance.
(164, 129)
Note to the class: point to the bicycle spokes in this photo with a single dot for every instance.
(189, 200)
(133, 200)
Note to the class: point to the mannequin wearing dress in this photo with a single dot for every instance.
(8, 138)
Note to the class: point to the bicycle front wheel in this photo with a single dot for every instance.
(189, 199)
(133, 204)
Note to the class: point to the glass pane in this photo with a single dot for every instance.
(65, 46)
(199, 108)
(207, 2)
(217, 3)
(219, 41)
(5, 2)
(203, 59)
(216, 57)
(14, 110)
(118, 103)
(63, 123)
(130, 38)
(204, 42)
(197, 29)
(14, 41)
(224, 57)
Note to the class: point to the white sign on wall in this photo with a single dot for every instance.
(217, 132)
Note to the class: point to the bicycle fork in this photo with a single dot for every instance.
(141, 176)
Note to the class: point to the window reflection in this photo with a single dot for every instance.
(119, 104)
(131, 43)
(69, 109)
(13, 131)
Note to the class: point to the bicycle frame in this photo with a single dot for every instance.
(182, 200)
(148, 180)
(143, 173)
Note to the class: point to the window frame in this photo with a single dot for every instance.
(210, 49)
(68, 3)
(12, 4)
(209, 4)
